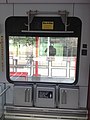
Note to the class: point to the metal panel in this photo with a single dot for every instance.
(33, 113)
(1, 103)
(6, 10)
(23, 95)
(83, 97)
(9, 95)
(21, 9)
(68, 98)
(48, 1)
(1, 100)
(2, 1)
(82, 10)
(45, 97)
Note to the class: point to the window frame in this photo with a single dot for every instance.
(39, 34)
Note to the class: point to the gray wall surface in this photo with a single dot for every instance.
(75, 8)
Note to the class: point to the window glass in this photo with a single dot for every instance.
(43, 59)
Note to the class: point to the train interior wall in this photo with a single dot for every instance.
(80, 10)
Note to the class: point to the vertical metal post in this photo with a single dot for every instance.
(31, 15)
(36, 63)
(64, 15)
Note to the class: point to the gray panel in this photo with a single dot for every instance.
(2, 1)
(21, 9)
(83, 96)
(23, 95)
(6, 10)
(1, 100)
(9, 95)
(82, 11)
(3, 96)
(48, 1)
(45, 97)
(1, 111)
(68, 98)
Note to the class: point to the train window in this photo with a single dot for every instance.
(42, 56)
(48, 59)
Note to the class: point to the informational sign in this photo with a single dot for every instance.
(1, 54)
(45, 94)
(47, 25)
(51, 58)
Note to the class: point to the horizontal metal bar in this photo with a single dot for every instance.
(46, 112)
(44, 117)
(26, 31)
(31, 113)
(47, 12)
(4, 91)
(34, 109)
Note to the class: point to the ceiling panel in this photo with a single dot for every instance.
(21, 9)
(48, 1)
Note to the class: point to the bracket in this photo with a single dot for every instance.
(32, 14)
